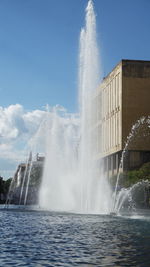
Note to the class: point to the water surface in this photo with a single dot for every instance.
(42, 238)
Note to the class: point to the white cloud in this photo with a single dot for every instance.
(15, 121)
(11, 122)
(22, 130)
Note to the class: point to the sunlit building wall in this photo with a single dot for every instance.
(121, 99)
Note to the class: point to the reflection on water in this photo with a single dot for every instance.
(36, 238)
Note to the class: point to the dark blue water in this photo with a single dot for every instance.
(36, 238)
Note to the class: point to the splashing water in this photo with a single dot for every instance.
(139, 130)
(72, 180)
(60, 170)
(127, 198)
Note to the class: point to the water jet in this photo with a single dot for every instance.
(72, 180)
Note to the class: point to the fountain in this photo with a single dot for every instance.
(125, 196)
(25, 180)
(72, 180)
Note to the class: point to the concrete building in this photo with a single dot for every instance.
(122, 98)
(26, 182)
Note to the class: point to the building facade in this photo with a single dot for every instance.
(121, 100)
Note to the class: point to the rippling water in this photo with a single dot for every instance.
(38, 238)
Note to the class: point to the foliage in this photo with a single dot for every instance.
(4, 188)
(4, 185)
(129, 178)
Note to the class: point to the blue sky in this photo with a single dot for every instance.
(39, 46)
(39, 60)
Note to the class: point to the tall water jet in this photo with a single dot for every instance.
(71, 180)
(88, 81)
(94, 187)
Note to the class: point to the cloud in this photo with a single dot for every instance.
(22, 131)
(15, 121)
(17, 128)
(11, 122)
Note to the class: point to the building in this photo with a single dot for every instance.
(25, 185)
(122, 98)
